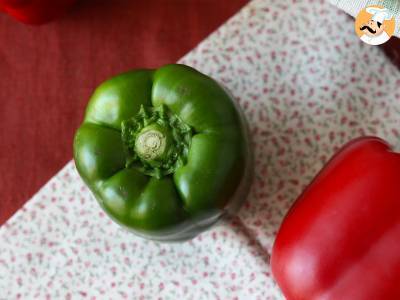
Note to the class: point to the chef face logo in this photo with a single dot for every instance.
(375, 25)
(373, 28)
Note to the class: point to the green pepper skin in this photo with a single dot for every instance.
(180, 205)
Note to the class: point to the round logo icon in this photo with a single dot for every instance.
(375, 25)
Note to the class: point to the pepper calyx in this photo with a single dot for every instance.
(156, 141)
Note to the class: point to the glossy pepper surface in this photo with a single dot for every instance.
(35, 11)
(163, 151)
(341, 238)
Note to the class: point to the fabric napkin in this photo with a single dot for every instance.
(306, 84)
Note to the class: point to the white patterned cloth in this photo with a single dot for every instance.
(353, 7)
(306, 85)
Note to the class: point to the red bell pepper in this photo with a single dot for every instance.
(341, 238)
(35, 11)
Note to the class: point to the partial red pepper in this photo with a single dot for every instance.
(35, 11)
(341, 238)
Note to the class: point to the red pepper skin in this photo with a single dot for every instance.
(35, 12)
(341, 238)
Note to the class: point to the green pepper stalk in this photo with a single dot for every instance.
(156, 141)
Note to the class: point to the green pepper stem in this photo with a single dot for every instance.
(156, 141)
(150, 144)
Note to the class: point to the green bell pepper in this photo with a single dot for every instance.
(164, 152)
